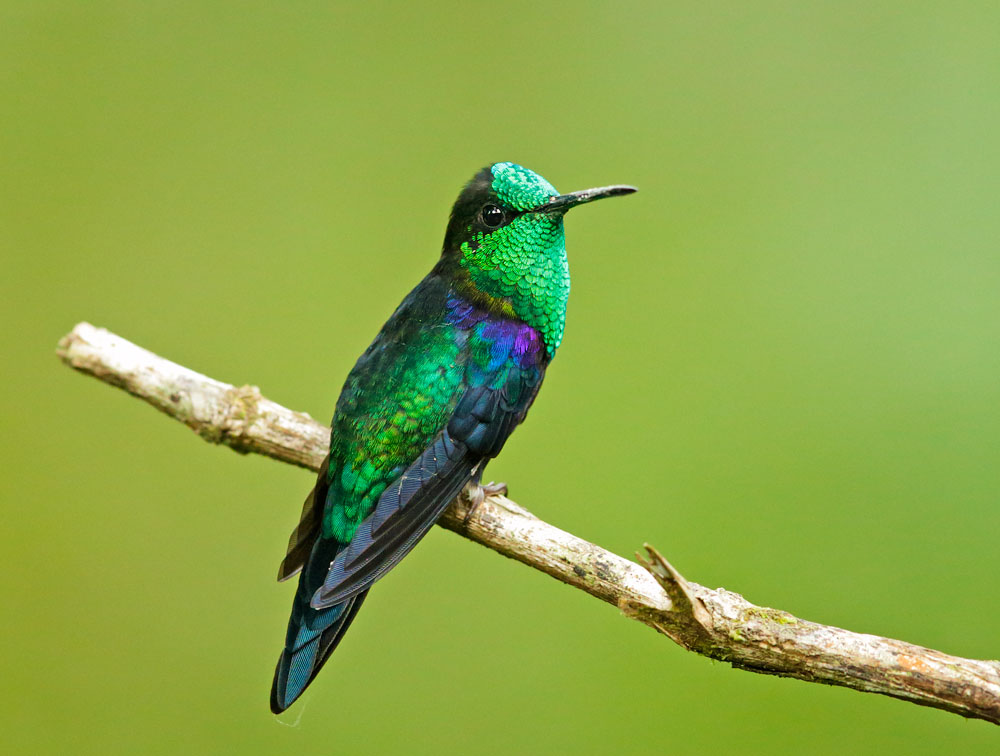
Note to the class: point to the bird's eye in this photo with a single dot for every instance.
(492, 216)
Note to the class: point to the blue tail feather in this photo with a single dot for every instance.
(312, 636)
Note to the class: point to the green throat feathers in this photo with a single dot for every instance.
(518, 266)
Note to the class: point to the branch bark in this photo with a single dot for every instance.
(714, 623)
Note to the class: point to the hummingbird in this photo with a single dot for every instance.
(432, 400)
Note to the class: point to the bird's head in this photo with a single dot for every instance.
(506, 203)
(506, 247)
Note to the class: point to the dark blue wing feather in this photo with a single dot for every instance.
(405, 512)
(482, 421)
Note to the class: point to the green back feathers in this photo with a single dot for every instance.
(396, 399)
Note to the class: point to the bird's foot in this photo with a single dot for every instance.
(476, 494)
(495, 489)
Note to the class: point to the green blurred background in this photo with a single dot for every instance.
(780, 366)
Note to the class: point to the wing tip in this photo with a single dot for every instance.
(286, 571)
(276, 706)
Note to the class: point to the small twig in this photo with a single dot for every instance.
(691, 624)
(715, 623)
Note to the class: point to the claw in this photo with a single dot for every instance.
(476, 494)
(495, 489)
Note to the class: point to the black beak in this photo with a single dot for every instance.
(564, 202)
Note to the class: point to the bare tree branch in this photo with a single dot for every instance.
(715, 623)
